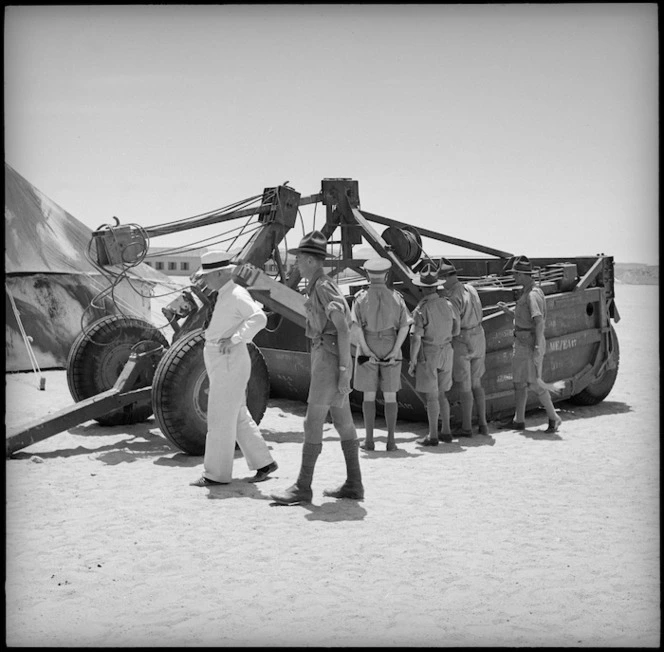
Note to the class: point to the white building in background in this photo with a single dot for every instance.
(173, 263)
(169, 261)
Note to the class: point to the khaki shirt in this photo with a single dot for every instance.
(436, 320)
(530, 304)
(324, 297)
(378, 309)
(468, 304)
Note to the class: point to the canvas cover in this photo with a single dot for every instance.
(51, 281)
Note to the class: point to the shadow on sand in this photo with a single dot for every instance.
(332, 512)
(236, 489)
(570, 411)
(141, 443)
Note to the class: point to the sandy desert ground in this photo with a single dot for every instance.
(517, 539)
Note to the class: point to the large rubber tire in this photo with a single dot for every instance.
(180, 392)
(597, 391)
(98, 356)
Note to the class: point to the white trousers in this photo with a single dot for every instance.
(228, 418)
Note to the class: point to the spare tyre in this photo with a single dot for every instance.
(180, 392)
(98, 356)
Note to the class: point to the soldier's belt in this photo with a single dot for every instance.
(388, 332)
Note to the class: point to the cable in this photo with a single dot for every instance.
(219, 212)
(240, 233)
(190, 247)
(114, 277)
(301, 220)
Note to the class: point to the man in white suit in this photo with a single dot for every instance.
(235, 321)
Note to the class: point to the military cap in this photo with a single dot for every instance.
(446, 268)
(428, 277)
(313, 243)
(377, 265)
(521, 265)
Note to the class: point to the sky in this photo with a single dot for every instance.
(531, 129)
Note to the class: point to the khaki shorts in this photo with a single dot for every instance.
(469, 357)
(433, 373)
(524, 371)
(370, 377)
(324, 387)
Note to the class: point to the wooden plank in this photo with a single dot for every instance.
(71, 416)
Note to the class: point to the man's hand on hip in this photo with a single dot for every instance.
(226, 345)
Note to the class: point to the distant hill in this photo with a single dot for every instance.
(637, 273)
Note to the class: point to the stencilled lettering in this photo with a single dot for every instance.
(563, 345)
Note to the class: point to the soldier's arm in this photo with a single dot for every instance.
(503, 306)
(338, 318)
(417, 330)
(403, 327)
(357, 329)
(363, 342)
(536, 313)
(402, 333)
(456, 320)
(415, 343)
(540, 340)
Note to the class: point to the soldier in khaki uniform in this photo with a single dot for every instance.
(435, 322)
(328, 326)
(383, 321)
(469, 348)
(529, 347)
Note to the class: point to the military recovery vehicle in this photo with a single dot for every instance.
(121, 369)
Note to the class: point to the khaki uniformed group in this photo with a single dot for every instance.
(361, 349)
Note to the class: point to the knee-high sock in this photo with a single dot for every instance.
(310, 453)
(444, 414)
(391, 410)
(433, 412)
(480, 404)
(350, 448)
(369, 414)
(547, 403)
(466, 409)
(520, 397)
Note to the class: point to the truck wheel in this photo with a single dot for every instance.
(180, 392)
(598, 390)
(99, 354)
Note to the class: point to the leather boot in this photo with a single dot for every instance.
(301, 491)
(353, 487)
